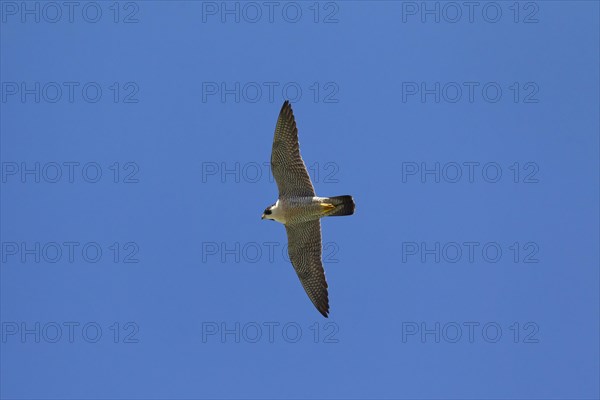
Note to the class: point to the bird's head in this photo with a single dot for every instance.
(268, 213)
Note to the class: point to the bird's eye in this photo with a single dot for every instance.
(267, 212)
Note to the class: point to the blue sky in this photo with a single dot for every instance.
(134, 137)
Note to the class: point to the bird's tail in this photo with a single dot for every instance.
(344, 205)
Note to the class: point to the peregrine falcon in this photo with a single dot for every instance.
(299, 209)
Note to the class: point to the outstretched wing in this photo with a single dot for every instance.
(286, 163)
(304, 248)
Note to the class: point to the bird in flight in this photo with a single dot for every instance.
(299, 209)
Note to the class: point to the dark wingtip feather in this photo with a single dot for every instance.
(324, 312)
(323, 306)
